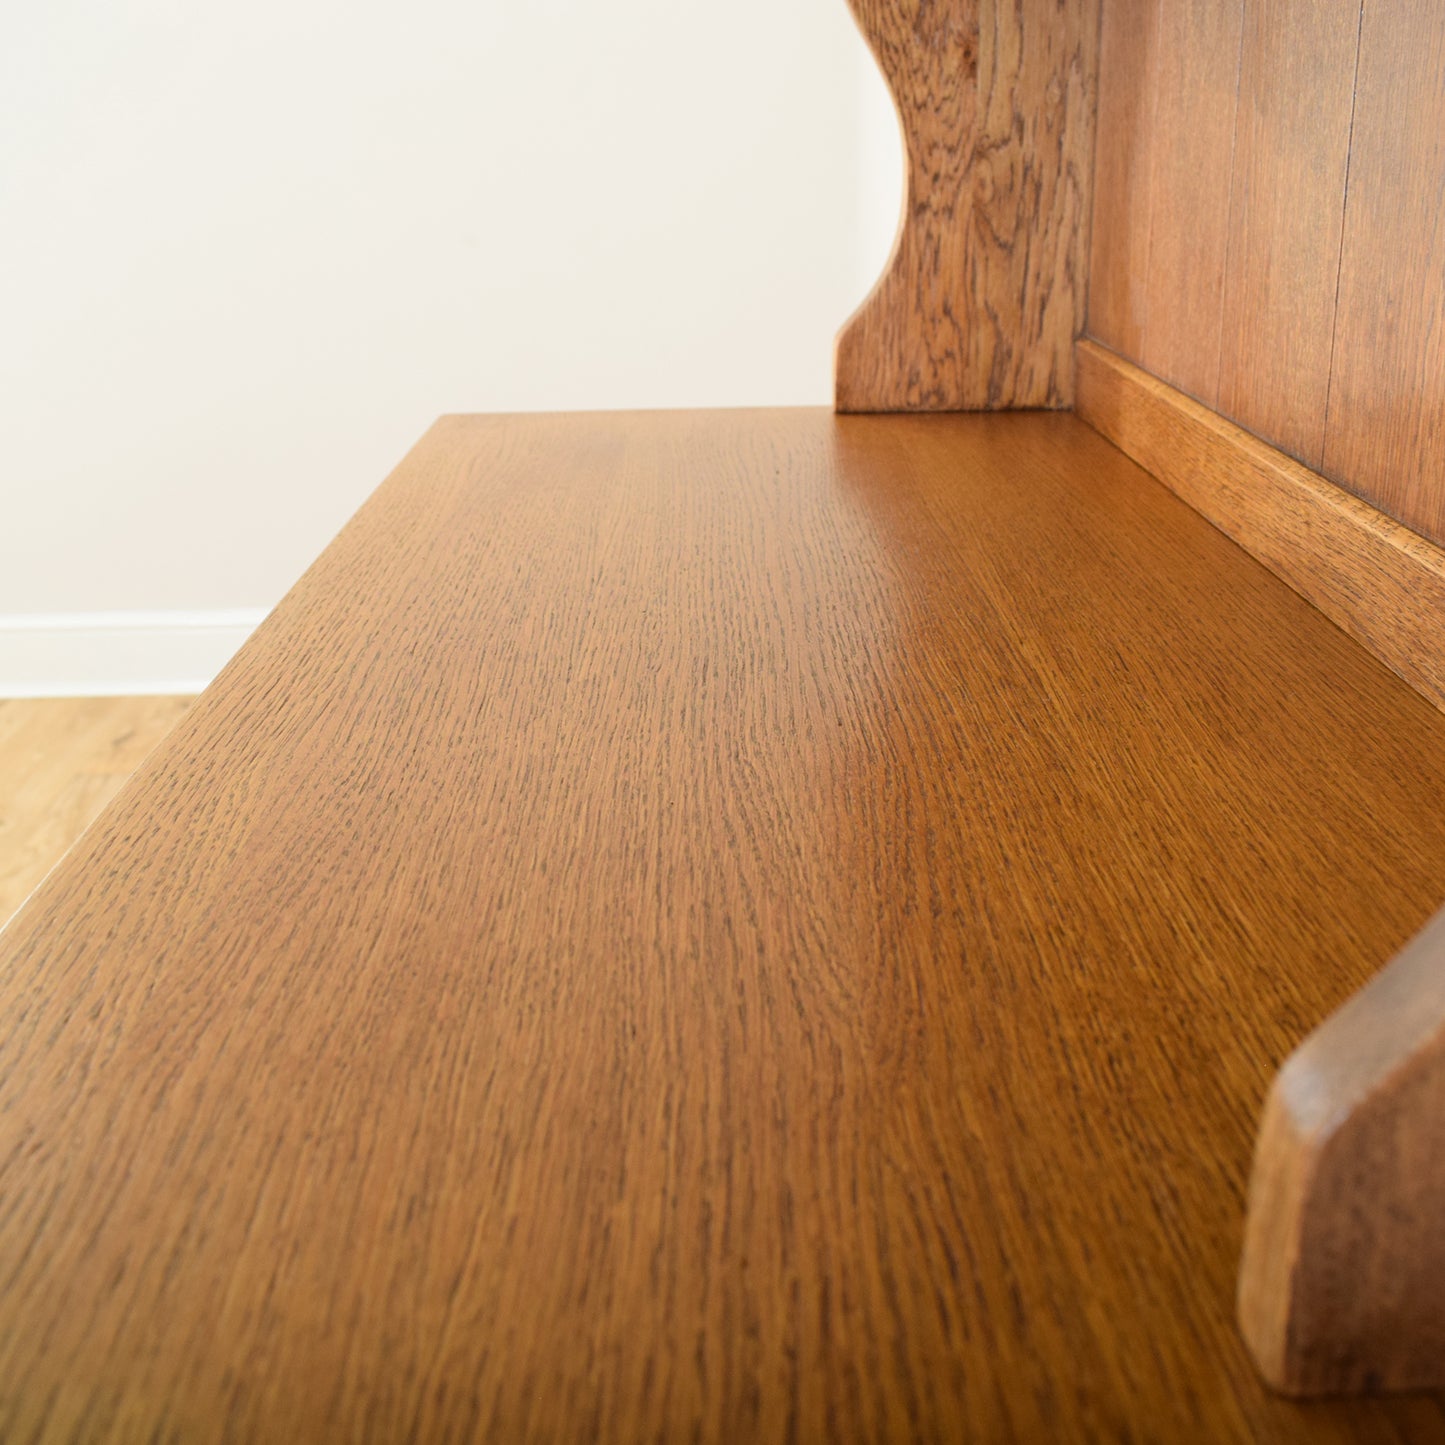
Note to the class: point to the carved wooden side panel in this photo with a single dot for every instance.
(984, 294)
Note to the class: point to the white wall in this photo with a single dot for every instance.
(249, 251)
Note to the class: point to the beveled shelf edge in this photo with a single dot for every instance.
(1342, 1279)
(1374, 577)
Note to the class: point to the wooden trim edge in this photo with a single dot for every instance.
(1374, 577)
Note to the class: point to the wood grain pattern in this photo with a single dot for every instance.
(984, 294)
(1386, 431)
(61, 761)
(1192, 153)
(1291, 151)
(1123, 173)
(1343, 1281)
(1375, 578)
(737, 926)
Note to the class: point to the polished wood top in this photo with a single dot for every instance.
(740, 926)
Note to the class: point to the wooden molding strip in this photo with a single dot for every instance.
(984, 293)
(1381, 582)
(1342, 1285)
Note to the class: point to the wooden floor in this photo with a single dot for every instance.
(711, 926)
(61, 761)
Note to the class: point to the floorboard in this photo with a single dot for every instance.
(61, 761)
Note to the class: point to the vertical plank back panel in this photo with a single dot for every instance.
(1224, 140)
(1385, 436)
(1197, 84)
(1292, 141)
(1123, 170)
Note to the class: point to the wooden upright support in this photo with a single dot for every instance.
(984, 295)
(1343, 1282)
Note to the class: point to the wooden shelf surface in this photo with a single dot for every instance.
(727, 925)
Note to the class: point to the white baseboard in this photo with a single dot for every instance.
(109, 654)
